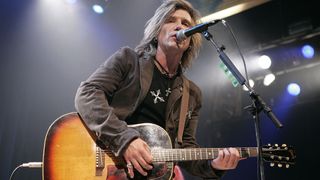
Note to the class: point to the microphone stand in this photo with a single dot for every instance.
(257, 105)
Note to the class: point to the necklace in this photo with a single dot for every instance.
(170, 75)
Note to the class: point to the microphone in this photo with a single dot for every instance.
(185, 33)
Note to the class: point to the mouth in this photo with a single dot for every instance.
(174, 36)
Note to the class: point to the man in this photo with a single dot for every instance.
(145, 85)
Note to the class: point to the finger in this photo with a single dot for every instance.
(143, 163)
(226, 156)
(138, 167)
(234, 158)
(130, 169)
(146, 165)
(146, 159)
(219, 163)
(147, 148)
(220, 155)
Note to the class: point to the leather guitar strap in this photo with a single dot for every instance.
(183, 109)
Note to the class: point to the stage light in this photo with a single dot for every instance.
(268, 79)
(264, 61)
(307, 51)
(71, 1)
(293, 89)
(98, 9)
(251, 83)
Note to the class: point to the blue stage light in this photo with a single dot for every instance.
(98, 9)
(293, 89)
(307, 51)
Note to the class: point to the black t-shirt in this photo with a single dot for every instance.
(153, 107)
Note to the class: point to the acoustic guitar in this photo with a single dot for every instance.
(71, 152)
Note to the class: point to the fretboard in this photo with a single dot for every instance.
(160, 155)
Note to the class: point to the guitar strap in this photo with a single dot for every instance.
(183, 109)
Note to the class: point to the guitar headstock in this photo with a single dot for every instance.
(279, 156)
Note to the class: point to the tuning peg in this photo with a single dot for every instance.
(279, 165)
(272, 156)
(279, 157)
(271, 164)
(276, 145)
(284, 145)
(287, 158)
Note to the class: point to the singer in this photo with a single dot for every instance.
(147, 85)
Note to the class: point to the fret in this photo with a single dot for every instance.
(176, 155)
(206, 153)
(197, 153)
(213, 154)
(166, 155)
(186, 151)
(255, 151)
(210, 153)
(161, 155)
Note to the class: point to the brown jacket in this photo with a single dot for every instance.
(115, 90)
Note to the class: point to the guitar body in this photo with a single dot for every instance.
(70, 152)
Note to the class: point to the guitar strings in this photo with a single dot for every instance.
(161, 155)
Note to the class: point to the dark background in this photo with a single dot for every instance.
(49, 46)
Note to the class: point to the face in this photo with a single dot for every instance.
(167, 40)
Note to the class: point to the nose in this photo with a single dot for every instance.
(178, 27)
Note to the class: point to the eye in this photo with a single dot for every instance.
(170, 20)
(186, 23)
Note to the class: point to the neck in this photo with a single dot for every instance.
(169, 61)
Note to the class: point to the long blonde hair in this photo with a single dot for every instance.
(148, 45)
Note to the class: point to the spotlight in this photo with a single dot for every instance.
(293, 89)
(268, 79)
(307, 51)
(71, 1)
(264, 61)
(97, 8)
(251, 83)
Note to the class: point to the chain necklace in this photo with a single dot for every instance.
(163, 70)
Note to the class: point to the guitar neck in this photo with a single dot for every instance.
(160, 155)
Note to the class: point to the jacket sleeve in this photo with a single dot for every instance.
(200, 168)
(92, 104)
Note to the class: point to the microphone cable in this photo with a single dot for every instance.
(28, 165)
(224, 22)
